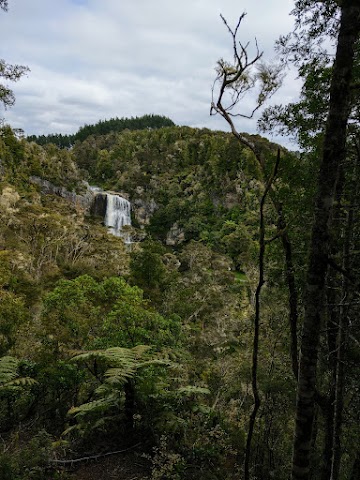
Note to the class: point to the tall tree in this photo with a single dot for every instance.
(333, 155)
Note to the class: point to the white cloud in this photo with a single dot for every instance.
(93, 59)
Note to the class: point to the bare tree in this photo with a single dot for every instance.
(234, 80)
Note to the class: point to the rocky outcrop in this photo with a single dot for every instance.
(49, 188)
(98, 204)
(112, 207)
(143, 210)
(94, 201)
(175, 235)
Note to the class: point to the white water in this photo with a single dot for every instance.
(118, 215)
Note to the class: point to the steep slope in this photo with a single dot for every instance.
(76, 303)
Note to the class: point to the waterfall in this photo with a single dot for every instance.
(117, 215)
(115, 210)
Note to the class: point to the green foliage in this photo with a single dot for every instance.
(21, 159)
(70, 289)
(31, 462)
(85, 313)
(118, 369)
(12, 314)
(15, 391)
(9, 376)
(148, 270)
(8, 370)
(304, 120)
(103, 127)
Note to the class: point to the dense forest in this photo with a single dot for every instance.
(101, 128)
(223, 341)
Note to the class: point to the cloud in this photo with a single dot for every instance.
(96, 59)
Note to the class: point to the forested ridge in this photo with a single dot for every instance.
(223, 342)
(101, 128)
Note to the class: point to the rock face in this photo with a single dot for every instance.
(98, 205)
(114, 209)
(49, 188)
(175, 235)
(143, 211)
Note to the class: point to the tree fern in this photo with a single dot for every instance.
(135, 377)
(122, 365)
(9, 374)
(8, 370)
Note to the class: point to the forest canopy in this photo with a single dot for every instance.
(103, 127)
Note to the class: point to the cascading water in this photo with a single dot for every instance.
(118, 215)
(115, 210)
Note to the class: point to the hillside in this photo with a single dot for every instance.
(146, 349)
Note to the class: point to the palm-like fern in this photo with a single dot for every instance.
(123, 365)
(9, 376)
(122, 368)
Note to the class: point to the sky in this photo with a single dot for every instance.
(100, 59)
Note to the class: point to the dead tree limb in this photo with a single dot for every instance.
(237, 78)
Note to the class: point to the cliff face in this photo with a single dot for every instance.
(85, 201)
(98, 204)
(143, 209)
(111, 207)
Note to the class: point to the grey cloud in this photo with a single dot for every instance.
(102, 58)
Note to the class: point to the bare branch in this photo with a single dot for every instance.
(235, 79)
(242, 76)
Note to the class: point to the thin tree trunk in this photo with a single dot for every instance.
(255, 390)
(293, 297)
(333, 300)
(129, 410)
(333, 155)
(343, 339)
(282, 227)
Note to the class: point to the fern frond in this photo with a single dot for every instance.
(140, 350)
(102, 423)
(70, 429)
(119, 372)
(20, 382)
(113, 355)
(8, 369)
(120, 355)
(193, 390)
(163, 363)
(9, 374)
(102, 404)
(103, 389)
(89, 355)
